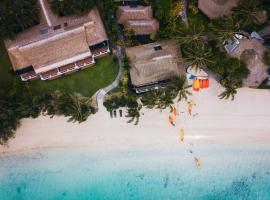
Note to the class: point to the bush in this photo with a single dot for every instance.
(17, 15)
(71, 7)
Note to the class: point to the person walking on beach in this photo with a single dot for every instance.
(190, 106)
(182, 135)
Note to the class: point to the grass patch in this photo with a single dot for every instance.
(86, 81)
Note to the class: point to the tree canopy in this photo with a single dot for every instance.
(71, 7)
(17, 15)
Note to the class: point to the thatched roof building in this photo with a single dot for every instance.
(216, 8)
(251, 51)
(154, 63)
(57, 42)
(138, 18)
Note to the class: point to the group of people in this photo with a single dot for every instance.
(182, 133)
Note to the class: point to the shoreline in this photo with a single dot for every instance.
(242, 121)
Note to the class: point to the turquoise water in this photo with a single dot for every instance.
(227, 172)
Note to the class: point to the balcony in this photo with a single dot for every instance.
(67, 69)
(29, 76)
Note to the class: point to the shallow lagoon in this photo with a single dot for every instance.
(228, 172)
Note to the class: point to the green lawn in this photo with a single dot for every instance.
(86, 81)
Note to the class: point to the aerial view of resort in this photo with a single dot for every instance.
(135, 100)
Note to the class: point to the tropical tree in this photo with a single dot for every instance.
(224, 28)
(17, 15)
(191, 35)
(230, 91)
(71, 7)
(178, 87)
(75, 106)
(134, 115)
(199, 56)
(246, 13)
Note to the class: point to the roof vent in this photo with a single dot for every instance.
(157, 48)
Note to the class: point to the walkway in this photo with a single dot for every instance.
(100, 95)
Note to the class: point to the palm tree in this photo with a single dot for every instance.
(230, 91)
(164, 101)
(178, 87)
(134, 115)
(246, 12)
(190, 35)
(199, 56)
(75, 106)
(225, 28)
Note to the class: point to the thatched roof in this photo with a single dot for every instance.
(216, 8)
(251, 51)
(125, 13)
(43, 54)
(57, 46)
(143, 27)
(149, 66)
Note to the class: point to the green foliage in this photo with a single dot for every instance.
(131, 37)
(266, 57)
(199, 56)
(17, 15)
(159, 99)
(74, 106)
(246, 13)
(224, 28)
(178, 87)
(234, 72)
(134, 115)
(229, 92)
(190, 35)
(71, 7)
(107, 10)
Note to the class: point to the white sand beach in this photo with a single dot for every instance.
(244, 120)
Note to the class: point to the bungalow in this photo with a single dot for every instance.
(58, 45)
(152, 65)
(138, 18)
(251, 51)
(216, 8)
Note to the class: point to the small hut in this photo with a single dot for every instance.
(251, 51)
(138, 18)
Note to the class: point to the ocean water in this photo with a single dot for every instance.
(228, 172)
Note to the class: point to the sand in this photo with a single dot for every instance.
(244, 120)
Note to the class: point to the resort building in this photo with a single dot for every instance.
(138, 18)
(152, 65)
(251, 51)
(216, 8)
(58, 45)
